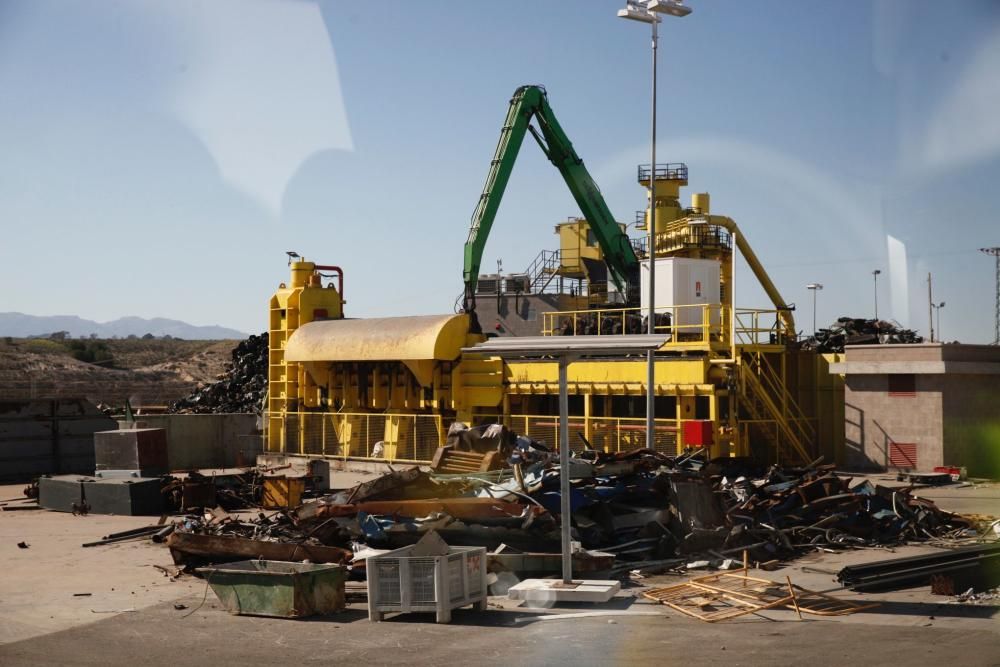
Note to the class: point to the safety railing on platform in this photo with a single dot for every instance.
(381, 436)
(760, 327)
(684, 324)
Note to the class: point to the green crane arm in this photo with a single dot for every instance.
(531, 102)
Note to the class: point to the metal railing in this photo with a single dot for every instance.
(414, 438)
(760, 327)
(640, 219)
(665, 171)
(681, 235)
(356, 435)
(541, 270)
(684, 324)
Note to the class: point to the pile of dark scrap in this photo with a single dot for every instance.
(229, 491)
(858, 331)
(790, 511)
(217, 537)
(640, 511)
(241, 388)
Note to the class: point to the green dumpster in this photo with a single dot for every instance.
(277, 588)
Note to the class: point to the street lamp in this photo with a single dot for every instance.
(875, 275)
(646, 12)
(815, 287)
(937, 307)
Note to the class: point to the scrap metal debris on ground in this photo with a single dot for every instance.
(634, 513)
(241, 388)
(639, 512)
(947, 571)
(859, 331)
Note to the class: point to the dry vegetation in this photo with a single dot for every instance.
(148, 371)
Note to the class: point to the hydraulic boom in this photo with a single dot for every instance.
(531, 103)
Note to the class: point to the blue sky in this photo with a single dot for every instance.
(159, 157)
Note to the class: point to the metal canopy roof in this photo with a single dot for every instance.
(540, 346)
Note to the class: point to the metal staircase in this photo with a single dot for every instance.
(767, 401)
(542, 269)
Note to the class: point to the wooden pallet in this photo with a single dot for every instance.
(726, 595)
(448, 460)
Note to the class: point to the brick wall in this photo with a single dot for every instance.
(874, 419)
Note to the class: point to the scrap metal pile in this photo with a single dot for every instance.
(790, 511)
(632, 511)
(240, 389)
(856, 331)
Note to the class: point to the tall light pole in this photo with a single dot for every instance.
(875, 275)
(937, 307)
(995, 253)
(930, 306)
(815, 287)
(646, 12)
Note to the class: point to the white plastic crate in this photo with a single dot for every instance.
(398, 582)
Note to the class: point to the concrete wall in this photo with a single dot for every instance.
(48, 436)
(954, 419)
(873, 419)
(208, 441)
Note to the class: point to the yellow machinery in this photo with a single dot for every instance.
(728, 378)
(388, 388)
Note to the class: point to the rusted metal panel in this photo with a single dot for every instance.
(220, 548)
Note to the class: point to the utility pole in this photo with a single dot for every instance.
(930, 306)
(995, 253)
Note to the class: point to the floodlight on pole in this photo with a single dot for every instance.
(815, 287)
(646, 12)
(638, 12)
(937, 308)
(875, 274)
(670, 7)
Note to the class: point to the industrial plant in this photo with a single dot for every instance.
(642, 446)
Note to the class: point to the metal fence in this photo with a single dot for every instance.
(381, 437)
(610, 434)
(414, 438)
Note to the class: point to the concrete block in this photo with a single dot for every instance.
(552, 590)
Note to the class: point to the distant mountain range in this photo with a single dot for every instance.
(20, 325)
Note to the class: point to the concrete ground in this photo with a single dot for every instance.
(130, 615)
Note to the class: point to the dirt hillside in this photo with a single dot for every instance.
(148, 372)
